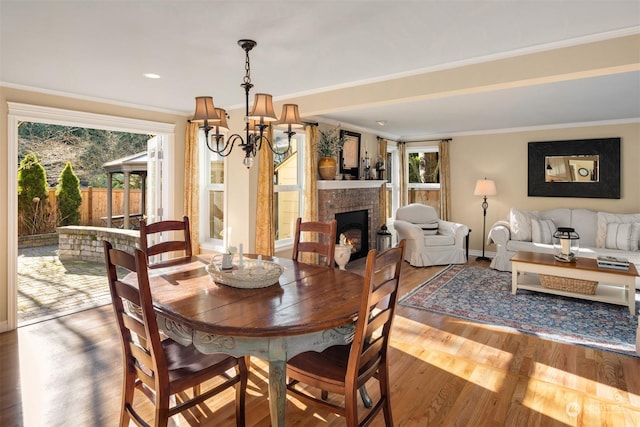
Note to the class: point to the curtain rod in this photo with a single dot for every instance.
(429, 140)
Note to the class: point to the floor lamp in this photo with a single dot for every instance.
(484, 187)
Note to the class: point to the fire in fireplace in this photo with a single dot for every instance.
(355, 226)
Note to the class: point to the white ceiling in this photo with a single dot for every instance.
(101, 49)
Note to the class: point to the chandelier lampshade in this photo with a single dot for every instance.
(290, 117)
(257, 119)
(263, 108)
(205, 110)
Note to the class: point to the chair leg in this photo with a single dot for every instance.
(385, 396)
(351, 408)
(366, 399)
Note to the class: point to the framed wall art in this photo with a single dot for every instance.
(588, 168)
(350, 153)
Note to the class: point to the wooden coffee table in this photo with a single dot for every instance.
(614, 287)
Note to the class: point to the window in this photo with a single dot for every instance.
(212, 200)
(424, 168)
(287, 186)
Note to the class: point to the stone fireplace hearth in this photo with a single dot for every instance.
(336, 197)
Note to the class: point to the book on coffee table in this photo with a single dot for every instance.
(613, 262)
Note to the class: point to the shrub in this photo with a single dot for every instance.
(34, 213)
(69, 197)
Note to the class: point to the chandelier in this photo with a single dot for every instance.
(214, 120)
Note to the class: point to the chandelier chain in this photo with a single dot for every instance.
(247, 69)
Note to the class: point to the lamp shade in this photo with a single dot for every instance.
(205, 110)
(485, 187)
(221, 123)
(290, 117)
(253, 126)
(263, 108)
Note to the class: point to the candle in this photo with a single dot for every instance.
(259, 261)
(240, 260)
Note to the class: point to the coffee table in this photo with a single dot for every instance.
(614, 287)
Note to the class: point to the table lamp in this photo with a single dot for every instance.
(484, 187)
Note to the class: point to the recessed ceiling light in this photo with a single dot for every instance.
(151, 75)
(381, 122)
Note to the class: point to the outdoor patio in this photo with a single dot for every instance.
(49, 288)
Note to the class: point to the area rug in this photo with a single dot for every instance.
(484, 295)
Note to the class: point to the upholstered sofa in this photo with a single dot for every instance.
(429, 240)
(601, 233)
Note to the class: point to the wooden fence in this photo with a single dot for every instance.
(94, 204)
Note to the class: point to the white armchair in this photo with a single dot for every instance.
(430, 241)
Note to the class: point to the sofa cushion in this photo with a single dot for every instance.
(520, 224)
(542, 230)
(417, 213)
(622, 236)
(605, 218)
(439, 240)
(585, 222)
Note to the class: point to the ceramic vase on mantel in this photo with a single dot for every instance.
(327, 167)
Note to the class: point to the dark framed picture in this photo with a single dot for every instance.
(588, 168)
(350, 153)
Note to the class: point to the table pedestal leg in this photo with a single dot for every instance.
(277, 381)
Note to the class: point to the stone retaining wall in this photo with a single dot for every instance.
(37, 240)
(85, 243)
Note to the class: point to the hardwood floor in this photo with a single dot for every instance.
(445, 372)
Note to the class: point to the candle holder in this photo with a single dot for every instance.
(342, 255)
(565, 244)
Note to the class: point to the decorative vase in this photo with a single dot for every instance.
(342, 255)
(327, 167)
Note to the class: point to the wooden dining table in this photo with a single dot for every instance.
(311, 307)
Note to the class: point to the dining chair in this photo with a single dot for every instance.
(150, 232)
(344, 369)
(315, 237)
(162, 368)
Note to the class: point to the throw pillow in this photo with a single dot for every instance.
(429, 228)
(542, 231)
(520, 224)
(605, 218)
(623, 237)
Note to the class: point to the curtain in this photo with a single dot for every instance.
(191, 184)
(309, 191)
(404, 184)
(445, 180)
(265, 226)
(382, 196)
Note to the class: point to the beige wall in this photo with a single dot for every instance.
(503, 158)
(39, 99)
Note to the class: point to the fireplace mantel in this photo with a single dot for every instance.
(348, 184)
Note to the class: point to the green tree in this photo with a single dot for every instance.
(69, 197)
(33, 209)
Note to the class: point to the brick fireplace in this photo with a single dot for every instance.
(336, 197)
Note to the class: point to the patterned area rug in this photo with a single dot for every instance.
(484, 295)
